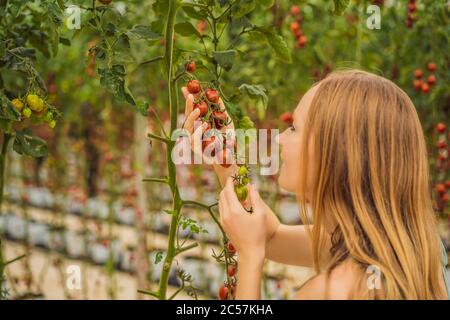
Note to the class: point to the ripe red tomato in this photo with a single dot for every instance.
(431, 79)
(223, 292)
(440, 127)
(220, 118)
(302, 41)
(212, 95)
(447, 184)
(207, 140)
(425, 87)
(231, 249)
(193, 86)
(441, 144)
(202, 106)
(445, 197)
(231, 270)
(418, 73)
(225, 158)
(191, 66)
(295, 10)
(412, 7)
(432, 67)
(295, 26)
(440, 188)
(287, 117)
(417, 84)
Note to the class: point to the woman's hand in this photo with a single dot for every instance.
(192, 115)
(247, 231)
(196, 133)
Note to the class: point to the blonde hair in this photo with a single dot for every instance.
(372, 184)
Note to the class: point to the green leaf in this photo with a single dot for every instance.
(113, 80)
(122, 43)
(142, 107)
(186, 29)
(340, 6)
(193, 13)
(158, 257)
(256, 92)
(242, 7)
(266, 3)
(64, 41)
(143, 32)
(225, 59)
(277, 43)
(245, 123)
(7, 110)
(27, 144)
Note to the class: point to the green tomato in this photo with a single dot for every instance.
(241, 192)
(242, 171)
(245, 180)
(52, 124)
(26, 112)
(49, 117)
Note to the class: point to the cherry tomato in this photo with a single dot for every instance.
(231, 249)
(191, 66)
(241, 192)
(225, 158)
(208, 140)
(223, 292)
(220, 119)
(432, 67)
(193, 86)
(35, 103)
(440, 127)
(212, 95)
(418, 73)
(26, 112)
(17, 104)
(242, 171)
(440, 188)
(431, 80)
(202, 106)
(231, 270)
(295, 10)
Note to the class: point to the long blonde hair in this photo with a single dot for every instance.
(372, 185)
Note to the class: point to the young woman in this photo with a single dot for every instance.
(356, 155)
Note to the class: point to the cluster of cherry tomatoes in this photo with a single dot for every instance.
(33, 104)
(441, 188)
(421, 84)
(207, 101)
(228, 290)
(411, 13)
(296, 28)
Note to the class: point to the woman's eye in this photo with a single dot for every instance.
(291, 127)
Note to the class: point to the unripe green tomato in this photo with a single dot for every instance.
(52, 124)
(26, 112)
(245, 180)
(242, 171)
(241, 192)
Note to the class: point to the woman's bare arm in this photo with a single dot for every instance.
(290, 245)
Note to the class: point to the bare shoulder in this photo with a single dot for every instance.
(336, 286)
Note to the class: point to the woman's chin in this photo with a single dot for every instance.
(283, 181)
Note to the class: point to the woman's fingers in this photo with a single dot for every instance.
(230, 195)
(223, 208)
(190, 121)
(255, 198)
